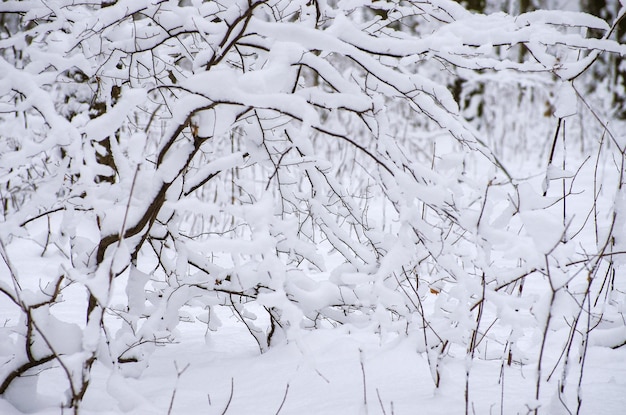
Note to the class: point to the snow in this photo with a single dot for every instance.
(106, 125)
(566, 101)
(562, 17)
(545, 230)
(359, 248)
(322, 371)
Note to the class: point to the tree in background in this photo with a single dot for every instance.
(611, 68)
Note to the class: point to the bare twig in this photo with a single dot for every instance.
(380, 401)
(284, 399)
(179, 373)
(364, 381)
(230, 397)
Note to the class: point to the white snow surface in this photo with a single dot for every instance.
(346, 370)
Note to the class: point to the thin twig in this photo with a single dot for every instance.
(230, 397)
(284, 399)
(130, 197)
(380, 401)
(551, 156)
(178, 375)
(364, 382)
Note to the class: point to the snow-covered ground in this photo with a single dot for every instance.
(327, 371)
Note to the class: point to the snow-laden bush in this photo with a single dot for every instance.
(307, 164)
